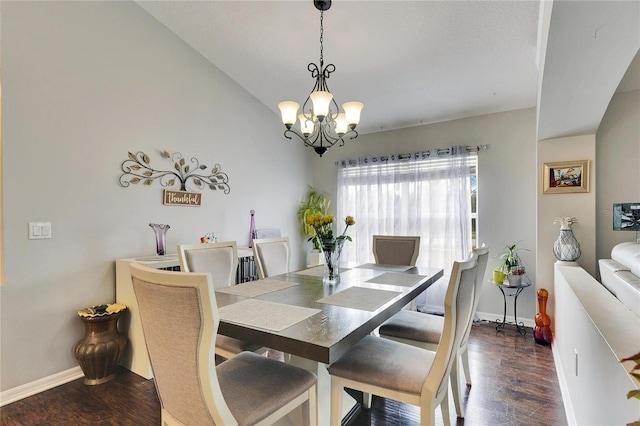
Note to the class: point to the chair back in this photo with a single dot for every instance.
(220, 259)
(272, 256)
(179, 322)
(458, 304)
(483, 258)
(396, 250)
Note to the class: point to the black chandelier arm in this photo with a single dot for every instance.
(307, 140)
(321, 138)
(314, 70)
(326, 72)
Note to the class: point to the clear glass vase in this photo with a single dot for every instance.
(161, 237)
(331, 248)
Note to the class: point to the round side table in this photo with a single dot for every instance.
(518, 289)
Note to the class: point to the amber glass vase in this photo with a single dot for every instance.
(542, 331)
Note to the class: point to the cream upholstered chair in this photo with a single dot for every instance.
(272, 256)
(396, 250)
(406, 373)
(425, 331)
(180, 320)
(221, 261)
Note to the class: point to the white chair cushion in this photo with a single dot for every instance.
(254, 386)
(385, 363)
(413, 325)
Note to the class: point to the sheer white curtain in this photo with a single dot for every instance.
(427, 195)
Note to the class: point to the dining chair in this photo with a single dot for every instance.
(425, 331)
(406, 373)
(221, 261)
(180, 321)
(396, 250)
(272, 256)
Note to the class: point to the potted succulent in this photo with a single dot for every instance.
(510, 267)
(316, 202)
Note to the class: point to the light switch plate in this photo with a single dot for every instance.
(40, 230)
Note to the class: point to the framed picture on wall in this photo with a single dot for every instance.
(626, 216)
(565, 176)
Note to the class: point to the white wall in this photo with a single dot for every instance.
(618, 153)
(83, 84)
(615, 175)
(506, 183)
(581, 205)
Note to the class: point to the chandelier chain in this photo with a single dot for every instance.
(321, 38)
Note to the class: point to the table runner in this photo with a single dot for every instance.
(266, 315)
(399, 268)
(256, 288)
(364, 299)
(394, 278)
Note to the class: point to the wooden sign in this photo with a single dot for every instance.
(181, 198)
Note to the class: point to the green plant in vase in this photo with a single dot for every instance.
(510, 264)
(330, 244)
(316, 202)
(635, 373)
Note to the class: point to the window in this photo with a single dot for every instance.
(428, 194)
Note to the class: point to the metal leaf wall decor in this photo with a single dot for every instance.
(137, 169)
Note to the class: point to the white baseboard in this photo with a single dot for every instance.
(40, 385)
(492, 317)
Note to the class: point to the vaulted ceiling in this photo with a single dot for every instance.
(418, 62)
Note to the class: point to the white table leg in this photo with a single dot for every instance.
(324, 389)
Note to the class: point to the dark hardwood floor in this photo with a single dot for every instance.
(514, 383)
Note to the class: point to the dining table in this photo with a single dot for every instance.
(314, 323)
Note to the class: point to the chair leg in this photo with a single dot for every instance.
(366, 400)
(336, 403)
(465, 365)
(444, 407)
(454, 379)
(428, 414)
(310, 408)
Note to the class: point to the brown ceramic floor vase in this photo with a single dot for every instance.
(542, 331)
(101, 348)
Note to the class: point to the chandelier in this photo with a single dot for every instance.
(322, 125)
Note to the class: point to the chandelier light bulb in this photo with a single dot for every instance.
(321, 101)
(306, 125)
(352, 112)
(341, 124)
(288, 110)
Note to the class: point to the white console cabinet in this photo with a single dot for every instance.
(135, 357)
